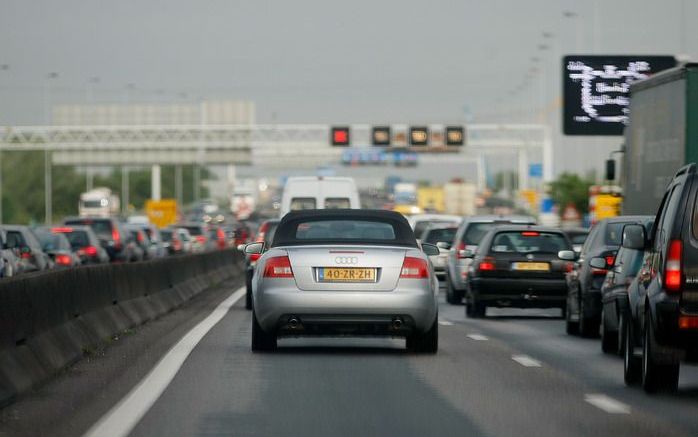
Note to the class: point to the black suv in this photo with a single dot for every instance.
(111, 233)
(583, 312)
(663, 300)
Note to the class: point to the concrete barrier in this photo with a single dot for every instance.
(49, 320)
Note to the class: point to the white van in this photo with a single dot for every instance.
(318, 192)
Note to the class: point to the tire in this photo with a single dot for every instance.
(425, 343)
(261, 341)
(632, 367)
(452, 295)
(588, 326)
(609, 340)
(656, 377)
(477, 310)
(621, 335)
(248, 294)
(571, 327)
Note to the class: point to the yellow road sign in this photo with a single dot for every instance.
(161, 213)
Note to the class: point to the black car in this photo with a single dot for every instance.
(84, 243)
(518, 266)
(614, 292)
(112, 236)
(265, 233)
(58, 248)
(26, 246)
(663, 313)
(583, 313)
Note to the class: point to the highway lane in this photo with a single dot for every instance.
(506, 384)
(515, 372)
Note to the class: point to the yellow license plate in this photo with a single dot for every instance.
(354, 274)
(537, 267)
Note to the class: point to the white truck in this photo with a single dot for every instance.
(319, 192)
(98, 202)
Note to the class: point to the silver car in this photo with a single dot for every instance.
(344, 273)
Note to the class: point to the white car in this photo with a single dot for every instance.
(344, 272)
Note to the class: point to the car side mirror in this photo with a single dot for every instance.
(443, 245)
(567, 255)
(598, 262)
(254, 248)
(430, 249)
(634, 237)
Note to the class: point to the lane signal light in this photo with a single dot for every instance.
(419, 136)
(340, 136)
(455, 136)
(381, 135)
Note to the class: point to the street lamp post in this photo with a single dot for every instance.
(3, 67)
(48, 199)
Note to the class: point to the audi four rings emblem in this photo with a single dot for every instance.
(346, 260)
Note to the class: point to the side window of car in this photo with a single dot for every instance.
(588, 242)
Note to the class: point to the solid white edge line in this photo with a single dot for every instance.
(125, 415)
(607, 404)
(526, 361)
(478, 337)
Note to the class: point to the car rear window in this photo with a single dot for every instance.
(475, 231)
(337, 203)
(194, 230)
(528, 242)
(166, 235)
(440, 235)
(345, 230)
(578, 238)
(50, 242)
(101, 227)
(301, 203)
(613, 233)
(78, 239)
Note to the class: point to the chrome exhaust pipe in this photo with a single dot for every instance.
(293, 322)
(397, 323)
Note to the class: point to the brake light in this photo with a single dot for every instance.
(486, 265)
(610, 260)
(139, 237)
(90, 251)
(688, 322)
(61, 230)
(672, 270)
(459, 249)
(26, 255)
(116, 236)
(569, 267)
(414, 268)
(530, 233)
(278, 267)
(201, 239)
(63, 260)
(255, 256)
(176, 244)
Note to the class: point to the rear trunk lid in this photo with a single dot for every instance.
(308, 263)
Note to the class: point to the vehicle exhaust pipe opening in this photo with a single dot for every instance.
(293, 322)
(397, 323)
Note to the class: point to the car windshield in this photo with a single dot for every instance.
(528, 242)
(441, 235)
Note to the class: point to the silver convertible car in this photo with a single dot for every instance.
(344, 273)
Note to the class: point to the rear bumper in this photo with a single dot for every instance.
(667, 327)
(519, 292)
(274, 306)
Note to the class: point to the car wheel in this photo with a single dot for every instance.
(656, 377)
(621, 335)
(425, 343)
(452, 295)
(588, 326)
(248, 291)
(631, 362)
(572, 328)
(478, 310)
(609, 340)
(261, 341)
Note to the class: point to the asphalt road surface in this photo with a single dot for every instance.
(514, 373)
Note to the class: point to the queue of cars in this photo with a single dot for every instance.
(96, 240)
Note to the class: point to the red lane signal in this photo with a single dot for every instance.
(340, 136)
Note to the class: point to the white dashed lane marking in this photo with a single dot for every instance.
(445, 323)
(526, 361)
(477, 337)
(607, 404)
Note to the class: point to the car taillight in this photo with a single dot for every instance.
(569, 267)
(459, 249)
(255, 256)
(414, 268)
(63, 260)
(61, 230)
(90, 251)
(116, 236)
(610, 260)
(278, 267)
(176, 244)
(672, 270)
(688, 322)
(139, 237)
(26, 255)
(486, 265)
(530, 233)
(201, 239)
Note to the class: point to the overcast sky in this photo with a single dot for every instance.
(320, 60)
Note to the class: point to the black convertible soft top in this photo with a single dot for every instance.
(286, 232)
